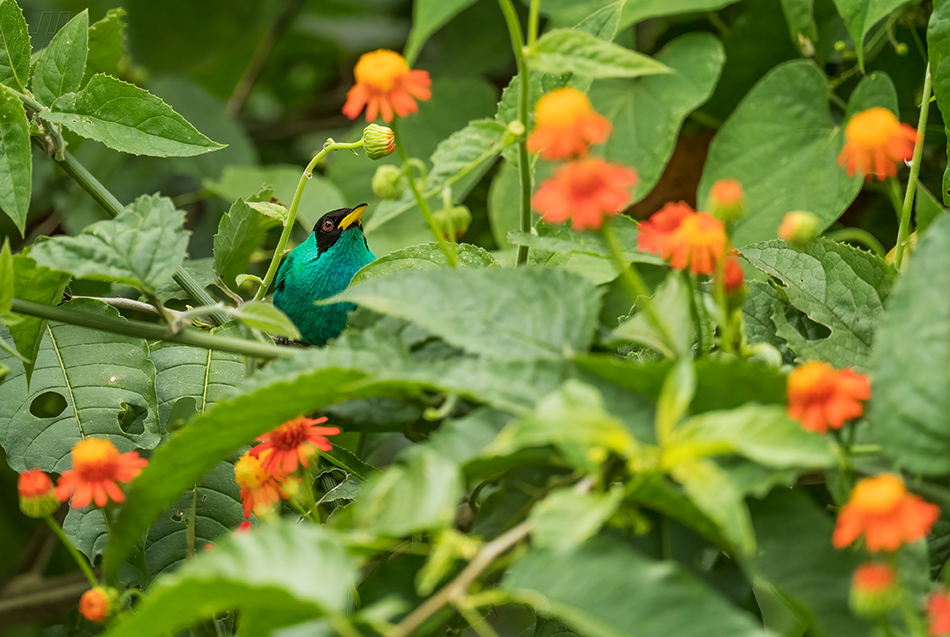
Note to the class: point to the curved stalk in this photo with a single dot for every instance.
(79, 557)
(914, 171)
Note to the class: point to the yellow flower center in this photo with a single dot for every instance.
(95, 459)
(811, 382)
(701, 229)
(248, 472)
(380, 69)
(872, 128)
(878, 494)
(561, 107)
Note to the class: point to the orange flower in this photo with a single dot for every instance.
(732, 276)
(883, 512)
(875, 142)
(384, 84)
(97, 468)
(583, 191)
(821, 397)
(98, 603)
(698, 242)
(260, 489)
(726, 200)
(37, 495)
(294, 441)
(565, 123)
(874, 589)
(938, 614)
(656, 231)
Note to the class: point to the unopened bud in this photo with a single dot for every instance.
(726, 201)
(798, 227)
(516, 128)
(98, 603)
(874, 590)
(901, 49)
(840, 46)
(388, 182)
(37, 494)
(378, 141)
(453, 220)
(732, 275)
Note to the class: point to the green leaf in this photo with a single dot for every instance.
(800, 16)
(106, 44)
(671, 302)
(565, 519)
(816, 279)
(926, 208)
(938, 50)
(127, 118)
(427, 256)
(562, 239)
(581, 53)
(762, 301)
(143, 246)
(605, 589)
(500, 313)
(462, 440)
(421, 494)
(910, 409)
(240, 233)
(270, 569)
(428, 16)
(98, 375)
(63, 62)
(16, 160)
(87, 530)
(860, 16)
(785, 167)
(14, 47)
(266, 317)
(201, 270)
(7, 277)
(647, 113)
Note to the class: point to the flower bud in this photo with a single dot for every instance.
(388, 182)
(456, 219)
(37, 494)
(732, 275)
(798, 227)
(98, 603)
(726, 200)
(378, 141)
(874, 590)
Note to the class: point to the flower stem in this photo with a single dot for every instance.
(449, 251)
(524, 98)
(722, 302)
(914, 171)
(292, 214)
(699, 313)
(79, 557)
(191, 524)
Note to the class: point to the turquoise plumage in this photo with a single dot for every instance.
(319, 268)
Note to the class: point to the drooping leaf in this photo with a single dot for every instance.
(427, 256)
(428, 16)
(16, 161)
(581, 53)
(816, 279)
(106, 44)
(240, 232)
(100, 377)
(910, 409)
(142, 246)
(672, 305)
(62, 63)
(14, 47)
(127, 118)
(266, 317)
(861, 15)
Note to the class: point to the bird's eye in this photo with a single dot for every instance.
(328, 225)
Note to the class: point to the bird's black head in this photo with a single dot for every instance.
(334, 223)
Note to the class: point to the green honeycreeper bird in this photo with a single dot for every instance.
(319, 268)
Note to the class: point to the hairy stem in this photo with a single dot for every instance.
(914, 171)
(79, 557)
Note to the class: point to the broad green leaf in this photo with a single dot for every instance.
(567, 12)
(861, 15)
(417, 495)
(266, 317)
(500, 313)
(926, 208)
(143, 246)
(106, 44)
(468, 151)
(463, 439)
(106, 384)
(764, 434)
(127, 118)
(16, 160)
(564, 519)
(671, 302)
(816, 279)
(32, 282)
(427, 256)
(606, 589)
(818, 580)
(910, 367)
(762, 301)
(581, 53)
(240, 233)
(561, 238)
(428, 16)
(87, 530)
(782, 145)
(938, 50)
(63, 62)
(270, 569)
(647, 113)
(7, 277)
(14, 47)
(201, 270)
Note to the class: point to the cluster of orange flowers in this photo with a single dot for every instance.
(265, 473)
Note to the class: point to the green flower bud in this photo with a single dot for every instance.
(726, 200)
(456, 219)
(378, 141)
(389, 182)
(798, 227)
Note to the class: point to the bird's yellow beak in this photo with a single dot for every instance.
(353, 217)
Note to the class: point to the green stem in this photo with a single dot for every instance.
(914, 171)
(858, 235)
(524, 90)
(449, 251)
(699, 313)
(533, 24)
(722, 302)
(190, 532)
(330, 145)
(150, 331)
(79, 557)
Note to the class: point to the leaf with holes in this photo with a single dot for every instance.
(85, 383)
